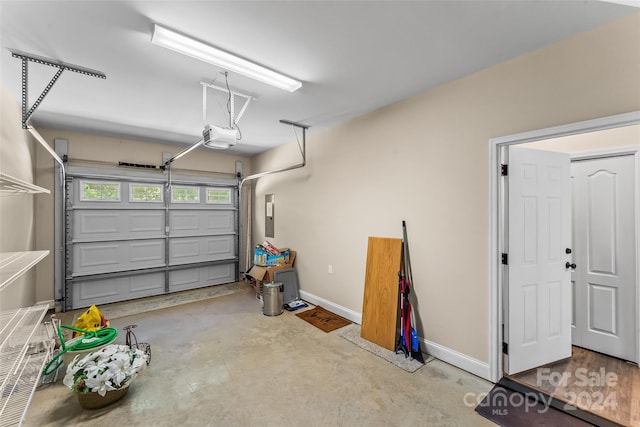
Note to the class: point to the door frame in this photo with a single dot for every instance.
(497, 147)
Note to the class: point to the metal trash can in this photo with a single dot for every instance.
(272, 298)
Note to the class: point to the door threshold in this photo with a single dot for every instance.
(558, 404)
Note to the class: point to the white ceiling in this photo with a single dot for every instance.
(352, 57)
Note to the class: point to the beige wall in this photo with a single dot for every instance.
(102, 151)
(426, 160)
(17, 153)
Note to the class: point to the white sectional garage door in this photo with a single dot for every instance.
(132, 237)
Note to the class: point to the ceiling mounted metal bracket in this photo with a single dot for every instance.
(233, 118)
(61, 66)
(296, 124)
(303, 152)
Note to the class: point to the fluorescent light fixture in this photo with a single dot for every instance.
(634, 3)
(204, 52)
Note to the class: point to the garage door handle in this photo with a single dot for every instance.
(569, 265)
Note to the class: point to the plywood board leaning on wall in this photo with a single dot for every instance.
(380, 305)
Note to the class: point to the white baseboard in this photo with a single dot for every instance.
(438, 351)
(332, 307)
(458, 359)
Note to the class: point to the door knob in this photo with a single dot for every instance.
(569, 265)
(568, 250)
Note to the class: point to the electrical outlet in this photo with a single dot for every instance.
(330, 269)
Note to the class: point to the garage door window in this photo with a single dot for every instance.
(185, 194)
(99, 191)
(145, 193)
(219, 196)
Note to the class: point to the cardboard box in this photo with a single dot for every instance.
(263, 275)
(263, 258)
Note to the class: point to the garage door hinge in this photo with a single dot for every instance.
(504, 170)
(505, 348)
(505, 259)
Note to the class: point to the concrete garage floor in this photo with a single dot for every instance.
(221, 362)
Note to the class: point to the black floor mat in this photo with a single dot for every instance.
(510, 408)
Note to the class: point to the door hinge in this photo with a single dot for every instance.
(504, 170)
(505, 348)
(505, 259)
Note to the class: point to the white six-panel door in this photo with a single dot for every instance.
(604, 241)
(538, 309)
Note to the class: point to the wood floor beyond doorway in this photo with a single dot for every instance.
(603, 385)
